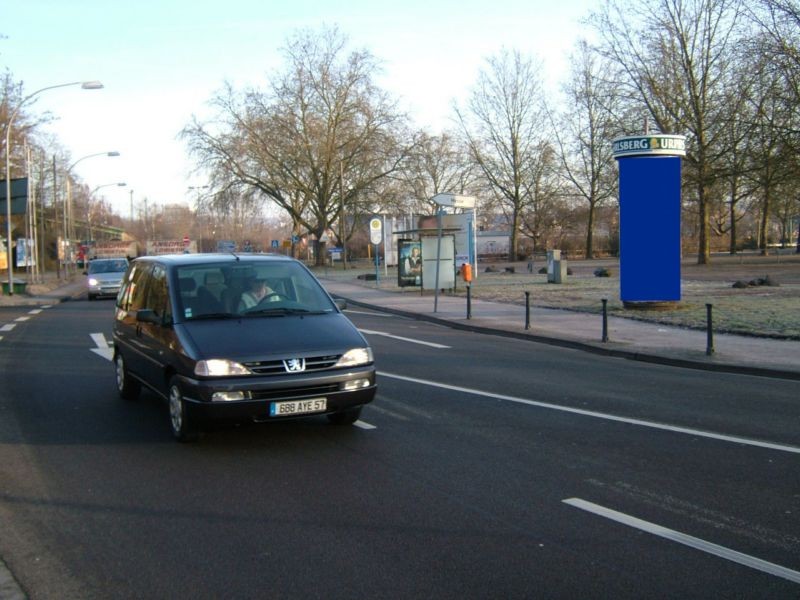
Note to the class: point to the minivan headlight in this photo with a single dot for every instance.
(355, 357)
(219, 367)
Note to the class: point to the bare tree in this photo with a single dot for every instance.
(770, 151)
(437, 164)
(677, 57)
(545, 216)
(778, 23)
(505, 126)
(584, 133)
(315, 142)
(785, 208)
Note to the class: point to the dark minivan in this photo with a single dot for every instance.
(237, 337)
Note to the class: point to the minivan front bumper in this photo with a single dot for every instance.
(261, 392)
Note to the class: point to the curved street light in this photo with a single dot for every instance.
(86, 85)
(88, 211)
(68, 203)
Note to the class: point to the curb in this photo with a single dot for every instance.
(9, 587)
(586, 346)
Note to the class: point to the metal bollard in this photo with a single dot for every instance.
(527, 310)
(469, 301)
(605, 320)
(709, 330)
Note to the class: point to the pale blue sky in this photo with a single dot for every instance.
(161, 60)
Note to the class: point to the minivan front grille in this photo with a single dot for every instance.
(277, 367)
(295, 393)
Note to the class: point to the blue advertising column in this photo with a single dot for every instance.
(650, 219)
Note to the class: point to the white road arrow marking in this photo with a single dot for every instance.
(103, 348)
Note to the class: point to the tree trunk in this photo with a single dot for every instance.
(512, 247)
(319, 252)
(704, 243)
(764, 225)
(734, 191)
(590, 232)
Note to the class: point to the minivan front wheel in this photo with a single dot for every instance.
(180, 422)
(127, 387)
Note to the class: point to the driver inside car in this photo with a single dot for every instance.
(256, 292)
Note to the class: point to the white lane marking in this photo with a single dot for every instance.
(363, 312)
(404, 339)
(389, 413)
(599, 415)
(8, 327)
(364, 425)
(102, 346)
(686, 540)
(22, 319)
(35, 311)
(47, 306)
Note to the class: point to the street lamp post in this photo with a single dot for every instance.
(88, 211)
(86, 85)
(68, 220)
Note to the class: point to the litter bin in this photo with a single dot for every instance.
(18, 286)
(556, 268)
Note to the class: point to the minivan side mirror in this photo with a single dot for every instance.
(148, 315)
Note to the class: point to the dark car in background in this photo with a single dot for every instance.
(182, 330)
(104, 277)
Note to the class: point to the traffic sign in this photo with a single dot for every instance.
(454, 200)
(375, 230)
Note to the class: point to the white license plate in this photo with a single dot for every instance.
(298, 407)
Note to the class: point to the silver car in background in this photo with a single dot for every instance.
(105, 277)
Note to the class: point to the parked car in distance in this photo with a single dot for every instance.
(193, 329)
(105, 276)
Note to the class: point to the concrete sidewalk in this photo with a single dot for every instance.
(628, 338)
(51, 290)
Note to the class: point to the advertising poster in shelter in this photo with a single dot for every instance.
(409, 267)
(25, 253)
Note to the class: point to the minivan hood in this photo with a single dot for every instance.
(108, 277)
(259, 338)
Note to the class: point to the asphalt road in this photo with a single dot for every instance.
(485, 468)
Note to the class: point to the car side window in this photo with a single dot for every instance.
(132, 293)
(157, 296)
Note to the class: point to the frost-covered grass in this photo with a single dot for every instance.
(762, 310)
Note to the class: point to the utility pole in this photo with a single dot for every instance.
(343, 224)
(55, 218)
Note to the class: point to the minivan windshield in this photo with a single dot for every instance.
(116, 265)
(249, 289)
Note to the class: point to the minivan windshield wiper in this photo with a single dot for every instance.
(282, 311)
(216, 315)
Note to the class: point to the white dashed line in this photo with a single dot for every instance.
(598, 415)
(686, 540)
(22, 319)
(404, 339)
(8, 327)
